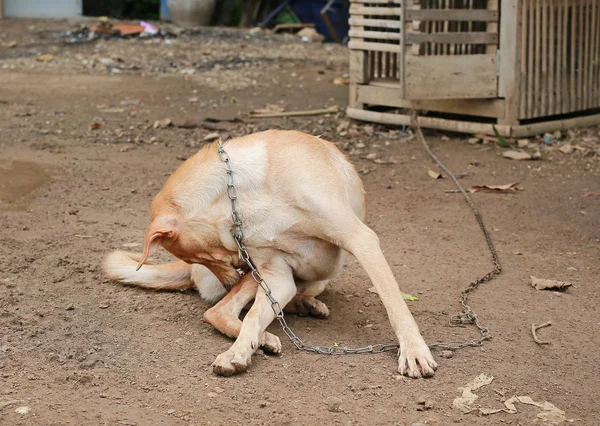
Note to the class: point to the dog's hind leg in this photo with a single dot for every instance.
(278, 275)
(305, 303)
(224, 316)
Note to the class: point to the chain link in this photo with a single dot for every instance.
(467, 317)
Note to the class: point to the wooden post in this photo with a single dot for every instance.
(510, 60)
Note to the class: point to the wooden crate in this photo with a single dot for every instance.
(523, 66)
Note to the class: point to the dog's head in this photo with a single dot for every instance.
(191, 241)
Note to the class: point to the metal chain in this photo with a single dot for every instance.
(467, 317)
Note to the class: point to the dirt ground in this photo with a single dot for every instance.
(80, 161)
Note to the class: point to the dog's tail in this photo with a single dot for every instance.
(121, 266)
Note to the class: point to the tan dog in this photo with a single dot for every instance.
(302, 205)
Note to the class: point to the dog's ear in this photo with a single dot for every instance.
(163, 227)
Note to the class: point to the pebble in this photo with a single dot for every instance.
(334, 405)
(447, 354)
(104, 305)
(522, 143)
(171, 411)
(473, 141)
(24, 410)
(566, 149)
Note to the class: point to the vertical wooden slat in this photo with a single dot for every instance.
(587, 54)
(592, 70)
(573, 51)
(524, 49)
(544, 60)
(530, 53)
(595, 74)
(559, 57)
(565, 61)
(492, 27)
(551, 62)
(510, 65)
(402, 57)
(580, 52)
(537, 59)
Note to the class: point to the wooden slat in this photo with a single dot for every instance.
(596, 73)
(537, 59)
(544, 60)
(375, 11)
(376, 23)
(551, 60)
(565, 62)
(510, 64)
(580, 52)
(461, 38)
(377, 47)
(573, 88)
(428, 122)
(530, 57)
(591, 77)
(390, 94)
(559, 58)
(445, 77)
(524, 47)
(452, 15)
(381, 35)
(586, 55)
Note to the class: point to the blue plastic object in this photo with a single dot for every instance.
(164, 11)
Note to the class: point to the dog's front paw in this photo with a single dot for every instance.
(416, 359)
(270, 343)
(232, 362)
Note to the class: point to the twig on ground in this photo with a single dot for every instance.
(329, 110)
(535, 328)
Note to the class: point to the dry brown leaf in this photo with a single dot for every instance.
(465, 402)
(495, 188)
(542, 284)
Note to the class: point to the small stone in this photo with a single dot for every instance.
(360, 145)
(23, 411)
(211, 137)
(522, 143)
(163, 124)
(334, 405)
(537, 155)
(473, 141)
(70, 307)
(447, 354)
(104, 305)
(193, 100)
(263, 404)
(566, 149)
(171, 411)
(212, 394)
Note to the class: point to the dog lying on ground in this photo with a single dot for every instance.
(302, 205)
